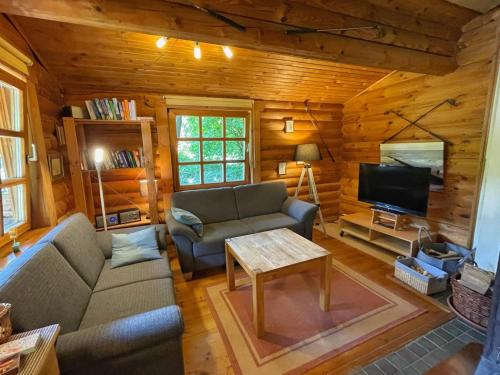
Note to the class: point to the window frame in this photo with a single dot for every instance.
(11, 182)
(174, 112)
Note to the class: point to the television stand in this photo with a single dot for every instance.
(388, 219)
(403, 241)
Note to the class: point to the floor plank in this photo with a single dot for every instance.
(204, 351)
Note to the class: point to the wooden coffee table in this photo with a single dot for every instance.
(268, 255)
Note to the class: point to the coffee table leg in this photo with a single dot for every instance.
(258, 304)
(324, 294)
(231, 285)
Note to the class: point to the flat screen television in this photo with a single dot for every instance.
(395, 188)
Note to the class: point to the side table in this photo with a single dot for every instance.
(43, 361)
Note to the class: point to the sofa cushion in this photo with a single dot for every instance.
(136, 247)
(277, 220)
(43, 289)
(115, 303)
(150, 270)
(212, 241)
(76, 240)
(260, 199)
(104, 239)
(210, 205)
(189, 219)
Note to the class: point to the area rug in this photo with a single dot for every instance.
(298, 335)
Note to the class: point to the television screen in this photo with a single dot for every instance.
(395, 188)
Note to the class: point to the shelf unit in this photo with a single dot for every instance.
(82, 179)
(403, 241)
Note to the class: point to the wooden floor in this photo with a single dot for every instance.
(204, 351)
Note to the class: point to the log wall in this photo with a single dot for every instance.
(367, 124)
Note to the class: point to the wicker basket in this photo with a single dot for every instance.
(5, 324)
(435, 282)
(472, 305)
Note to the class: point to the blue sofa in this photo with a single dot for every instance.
(231, 212)
(119, 321)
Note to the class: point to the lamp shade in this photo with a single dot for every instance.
(98, 155)
(307, 152)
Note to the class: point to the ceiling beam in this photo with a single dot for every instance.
(306, 15)
(264, 32)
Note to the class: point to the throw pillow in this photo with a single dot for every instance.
(188, 218)
(134, 247)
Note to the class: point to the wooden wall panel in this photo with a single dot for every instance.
(367, 124)
(276, 145)
(51, 101)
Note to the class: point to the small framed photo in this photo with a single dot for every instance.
(56, 165)
(61, 138)
(288, 125)
(282, 168)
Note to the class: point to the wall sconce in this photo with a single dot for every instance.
(288, 124)
(144, 187)
(282, 168)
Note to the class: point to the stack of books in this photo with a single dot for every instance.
(11, 352)
(117, 159)
(111, 109)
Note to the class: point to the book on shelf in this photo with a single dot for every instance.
(115, 159)
(111, 109)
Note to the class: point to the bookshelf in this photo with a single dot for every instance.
(110, 134)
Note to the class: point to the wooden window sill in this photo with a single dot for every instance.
(27, 240)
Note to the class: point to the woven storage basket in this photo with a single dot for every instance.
(427, 285)
(472, 305)
(5, 324)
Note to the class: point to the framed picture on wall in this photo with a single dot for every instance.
(288, 124)
(56, 165)
(61, 138)
(282, 168)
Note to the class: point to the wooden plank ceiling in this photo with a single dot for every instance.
(410, 35)
(93, 59)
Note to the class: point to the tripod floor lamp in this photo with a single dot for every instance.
(307, 153)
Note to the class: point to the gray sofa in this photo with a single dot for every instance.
(113, 321)
(231, 212)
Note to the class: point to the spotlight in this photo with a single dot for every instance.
(160, 43)
(228, 52)
(197, 50)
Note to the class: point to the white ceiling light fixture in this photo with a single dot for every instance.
(161, 42)
(228, 52)
(197, 51)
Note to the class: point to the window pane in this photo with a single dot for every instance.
(10, 102)
(213, 173)
(211, 127)
(189, 174)
(212, 150)
(235, 127)
(235, 150)
(188, 151)
(235, 172)
(11, 157)
(187, 127)
(13, 202)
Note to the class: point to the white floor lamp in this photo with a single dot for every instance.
(98, 159)
(307, 153)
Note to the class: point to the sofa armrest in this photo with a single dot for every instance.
(176, 228)
(299, 210)
(119, 338)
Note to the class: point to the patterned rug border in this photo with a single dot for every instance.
(324, 357)
(390, 304)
